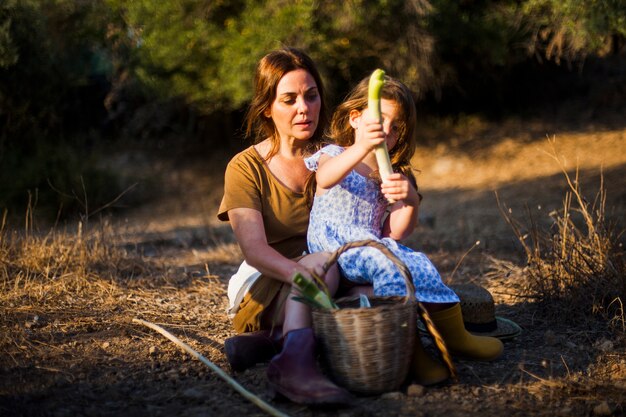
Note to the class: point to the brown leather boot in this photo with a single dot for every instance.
(247, 349)
(294, 373)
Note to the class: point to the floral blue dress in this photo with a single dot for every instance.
(353, 210)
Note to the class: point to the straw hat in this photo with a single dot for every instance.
(479, 313)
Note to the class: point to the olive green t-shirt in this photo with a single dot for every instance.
(248, 183)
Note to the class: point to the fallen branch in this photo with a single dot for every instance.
(229, 380)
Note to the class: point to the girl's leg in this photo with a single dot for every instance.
(360, 289)
(434, 307)
(446, 313)
(460, 342)
(425, 370)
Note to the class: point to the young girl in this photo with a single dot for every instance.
(350, 204)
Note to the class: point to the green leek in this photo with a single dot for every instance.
(311, 294)
(377, 79)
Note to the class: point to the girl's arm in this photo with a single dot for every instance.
(403, 216)
(331, 170)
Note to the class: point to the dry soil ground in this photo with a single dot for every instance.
(75, 351)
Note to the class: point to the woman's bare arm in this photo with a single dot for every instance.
(249, 231)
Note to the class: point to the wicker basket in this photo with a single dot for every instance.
(369, 350)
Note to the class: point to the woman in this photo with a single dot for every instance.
(264, 201)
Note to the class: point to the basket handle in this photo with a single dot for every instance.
(406, 274)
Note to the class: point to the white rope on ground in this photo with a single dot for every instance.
(234, 384)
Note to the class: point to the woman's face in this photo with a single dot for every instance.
(296, 108)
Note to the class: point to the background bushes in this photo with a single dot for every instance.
(80, 77)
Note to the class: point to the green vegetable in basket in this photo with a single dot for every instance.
(364, 301)
(311, 294)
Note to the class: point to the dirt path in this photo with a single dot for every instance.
(97, 362)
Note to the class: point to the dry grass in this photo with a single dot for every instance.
(62, 289)
(68, 296)
(576, 265)
(42, 268)
(463, 165)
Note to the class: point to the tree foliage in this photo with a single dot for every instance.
(52, 83)
(206, 51)
(571, 29)
(69, 67)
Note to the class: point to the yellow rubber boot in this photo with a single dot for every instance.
(426, 370)
(462, 343)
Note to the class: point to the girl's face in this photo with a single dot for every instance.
(390, 111)
(391, 119)
(296, 108)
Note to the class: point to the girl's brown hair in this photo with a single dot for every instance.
(270, 70)
(342, 133)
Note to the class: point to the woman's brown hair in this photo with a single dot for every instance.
(270, 70)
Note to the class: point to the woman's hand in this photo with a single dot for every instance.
(314, 263)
